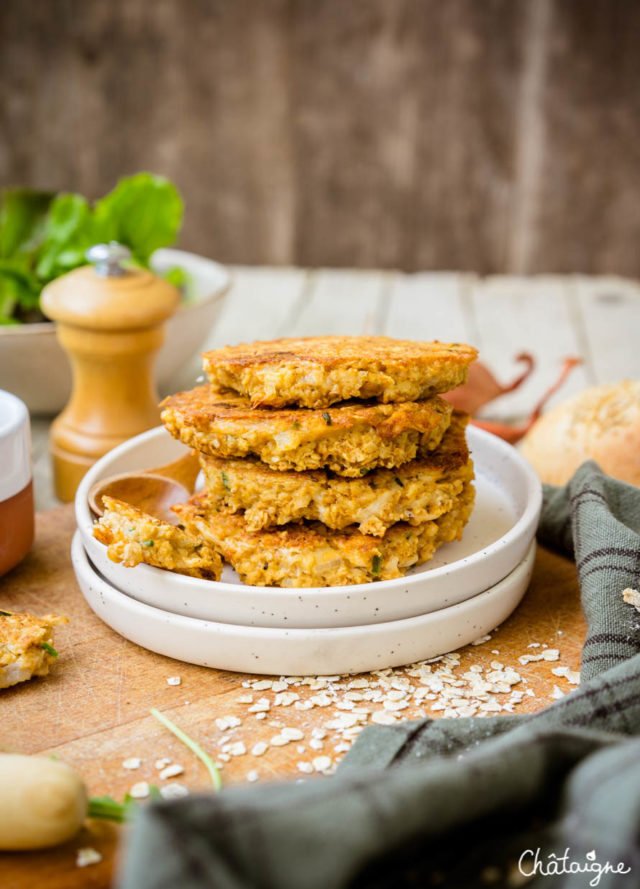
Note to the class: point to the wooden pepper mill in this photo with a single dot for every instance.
(110, 323)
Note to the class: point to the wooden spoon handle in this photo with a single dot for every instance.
(184, 471)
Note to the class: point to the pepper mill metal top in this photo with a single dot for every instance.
(107, 259)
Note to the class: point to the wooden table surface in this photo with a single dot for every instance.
(93, 710)
(595, 318)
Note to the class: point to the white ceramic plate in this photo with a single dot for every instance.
(496, 539)
(300, 652)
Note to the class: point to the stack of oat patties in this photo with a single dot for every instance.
(327, 460)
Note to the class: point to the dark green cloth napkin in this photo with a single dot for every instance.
(454, 802)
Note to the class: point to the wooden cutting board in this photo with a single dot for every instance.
(93, 710)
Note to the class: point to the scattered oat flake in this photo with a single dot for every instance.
(383, 718)
(260, 748)
(260, 706)
(321, 763)
(173, 791)
(253, 775)
(140, 790)
(286, 698)
(171, 771)
(245, 699)
(481, 640)
(235, 749)
(227, 722)
(161, 763)
(133, 762)
(262, 684)
(557, 693)
(305, 767)
(395, 705)
(87, 856)
(572, 676)
(174, 680)
(292, 734)
(279, 741)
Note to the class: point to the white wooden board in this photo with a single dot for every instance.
(533, 315)
(610, 309)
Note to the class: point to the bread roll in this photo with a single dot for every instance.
(601, 424)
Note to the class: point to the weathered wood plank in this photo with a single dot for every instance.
(344, 302)
(428, 306)
(527, 315)
(258, 306)
(494, 136)
(588, 208)
(611, 317)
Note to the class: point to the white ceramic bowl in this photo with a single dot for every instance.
(496, 539)
(34, 367)
(300, 652)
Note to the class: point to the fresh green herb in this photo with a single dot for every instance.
(49, 649)
(197, 546)
(225, 480)
(375, 566)
(192, 745)
(5, 614)
(147, 542)
(326, 417)
(364, 471)
(408, 536)
(43, 236)
(109, 809)
(399, 481)
(295, 425)
(181, 526)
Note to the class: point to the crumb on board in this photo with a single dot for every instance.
(86, 856)
(632, 597)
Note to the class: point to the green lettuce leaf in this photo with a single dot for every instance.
(143, 211)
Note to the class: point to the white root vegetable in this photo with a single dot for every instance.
(43, 802)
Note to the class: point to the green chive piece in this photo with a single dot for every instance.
(107, 809)
(375, 566)
(225, 480)
(295, 425)
(5, 614)
(327, 418)
(147, 542)
(399, 481)
(192, 745)
(49, 649)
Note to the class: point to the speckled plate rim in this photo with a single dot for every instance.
(300, 652)
(427, 588)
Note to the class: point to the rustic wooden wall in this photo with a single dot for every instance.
(494, 135)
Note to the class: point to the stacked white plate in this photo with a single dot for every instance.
(469, 588)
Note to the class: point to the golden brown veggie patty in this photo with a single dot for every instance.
(132, 537)
(416, 492)
(318, 371)
(26, 646)
(350, 439)
(311, 555)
